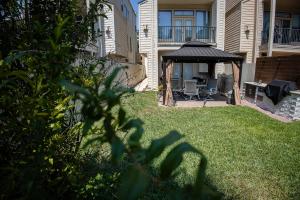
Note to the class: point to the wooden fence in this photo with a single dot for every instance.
(281, 68)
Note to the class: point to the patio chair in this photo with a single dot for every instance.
(212, 89)
(190, 88)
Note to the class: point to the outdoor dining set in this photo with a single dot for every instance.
(189, 89)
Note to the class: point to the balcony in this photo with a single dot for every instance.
(177, 35)
(283, 36)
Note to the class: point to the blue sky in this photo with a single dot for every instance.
(135, 6)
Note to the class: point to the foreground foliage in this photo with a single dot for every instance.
(56, 104)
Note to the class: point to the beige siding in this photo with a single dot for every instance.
(230, 4)
(218, 9)
(122, 29)
(233, 27)
(260, 25)
(145, 10)
(248, 19)
(220, 28)
(110, 46)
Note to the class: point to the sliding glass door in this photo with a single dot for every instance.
(183, 30)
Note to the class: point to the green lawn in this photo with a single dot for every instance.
(250, 155)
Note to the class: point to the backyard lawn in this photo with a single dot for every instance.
(250, 156)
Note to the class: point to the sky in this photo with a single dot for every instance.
(135, 6)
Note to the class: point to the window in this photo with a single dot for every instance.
(203, 67)
(165, 18)
(296, 21)
(165, 23)
(176, 70)
(184, 13)
(202, 18)
(202, 23)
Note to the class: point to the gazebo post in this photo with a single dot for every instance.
(241, 72)
(236, 83)
(169, 95)
(164, 82)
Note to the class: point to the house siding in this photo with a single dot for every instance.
(122, 29)
(110, 46)
(230, 4)
(218, 8)
(233, 27)
(248, 19)
(148, 43)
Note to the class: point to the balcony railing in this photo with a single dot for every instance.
(181, 34)
(283, 36)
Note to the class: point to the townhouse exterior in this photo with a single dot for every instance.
(250, 24)
(167, 24)
(118, 38)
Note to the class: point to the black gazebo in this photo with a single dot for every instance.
(199, 52)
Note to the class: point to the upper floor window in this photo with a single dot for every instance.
(165, 23)
(202, 18)
(165, 18)
(184, 13)
(296, 21)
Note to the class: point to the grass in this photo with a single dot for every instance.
(250, 155)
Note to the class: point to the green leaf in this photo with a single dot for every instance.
(50, 161)
(133, 183)
(74, 88)
(159, 145)
(174, 159)
(92, 141)
(87, 126)
(19, 74)
(109, 80)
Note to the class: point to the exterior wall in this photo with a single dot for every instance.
(122, 38)
(218, 8)
(247, 20)
(148, 41)
(110, 46)
(239, 16)
(230, 4)
(233, 27)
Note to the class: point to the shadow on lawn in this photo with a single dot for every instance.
(108, 185)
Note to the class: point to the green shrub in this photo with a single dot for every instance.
(54, 107)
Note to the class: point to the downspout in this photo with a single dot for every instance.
(256, 32)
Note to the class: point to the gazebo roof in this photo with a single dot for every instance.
(195, 52)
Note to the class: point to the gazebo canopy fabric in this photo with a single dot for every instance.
(196, 52)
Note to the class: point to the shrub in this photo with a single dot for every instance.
(54, 107)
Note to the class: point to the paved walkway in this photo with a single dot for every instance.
(277, 117)
(221, 102)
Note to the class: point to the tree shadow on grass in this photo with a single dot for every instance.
(103, 180)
